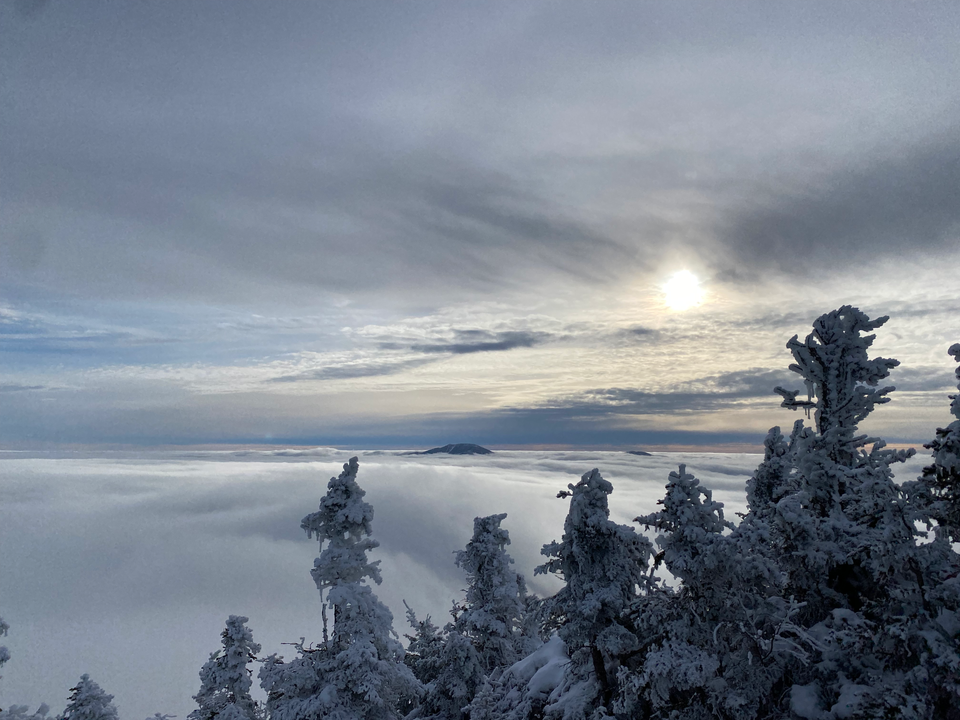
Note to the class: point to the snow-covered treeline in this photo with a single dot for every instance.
(836, 595)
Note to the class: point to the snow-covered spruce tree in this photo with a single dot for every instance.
(459, 676)
(844, 493)
(424, 647)
(840, 379)
(940, 482)
(225, 678)
(358, 671)
(874, 601)
(89, 702)
(714, 647)
(448, 666)
(4, 653)
(491, 617)
(603, 567)
(774, 477)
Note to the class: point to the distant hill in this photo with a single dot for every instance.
(457, 449)
(638, 452)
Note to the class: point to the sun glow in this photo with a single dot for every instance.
(682, 291)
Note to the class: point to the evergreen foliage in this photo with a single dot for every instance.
(4, 653)
(225, 678)
(603, 566)
(358, 672)
(492, 614)
(424, 648)
(89, 702)
(940, 483)
(459, 676)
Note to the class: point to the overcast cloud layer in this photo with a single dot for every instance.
(388, 223)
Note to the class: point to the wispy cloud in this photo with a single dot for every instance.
(356, 369)
(472, 341)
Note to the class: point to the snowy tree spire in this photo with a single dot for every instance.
(344, 523)
(360, 672)
(841, 380)
(89, 702)
(603, 565)
(692, 522)
(225, 678)
(493, 611)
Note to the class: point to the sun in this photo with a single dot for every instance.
(682, 291)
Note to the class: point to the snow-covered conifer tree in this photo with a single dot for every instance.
(840, 379)
(225, 678)
(358, 672)
(820, 603)
(773, 478)
(874, 601)
(89, 702)
(4, 653)
(941, 479)
(492, 615)
(692, 523)
(603, 565)
(425, 647)
(842, 490)
(719, 643)
(459, 676)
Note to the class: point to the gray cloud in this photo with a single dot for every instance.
(637, 333)
(923, 379)
(355, 370)
(472, 341)
(700, 395)
(13, 387)
(898, 202)
(290, 155)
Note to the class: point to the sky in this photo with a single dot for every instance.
(125, 566)
(407, 224)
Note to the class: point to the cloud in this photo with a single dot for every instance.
(896, 201)
(639, 331)
(700, 395)
(926, 379)
(472, 341)
(21, 388)
(357, 369)
(444, 172)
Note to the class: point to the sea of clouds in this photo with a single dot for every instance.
(125, 566)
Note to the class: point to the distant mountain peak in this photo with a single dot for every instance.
(458, 449)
